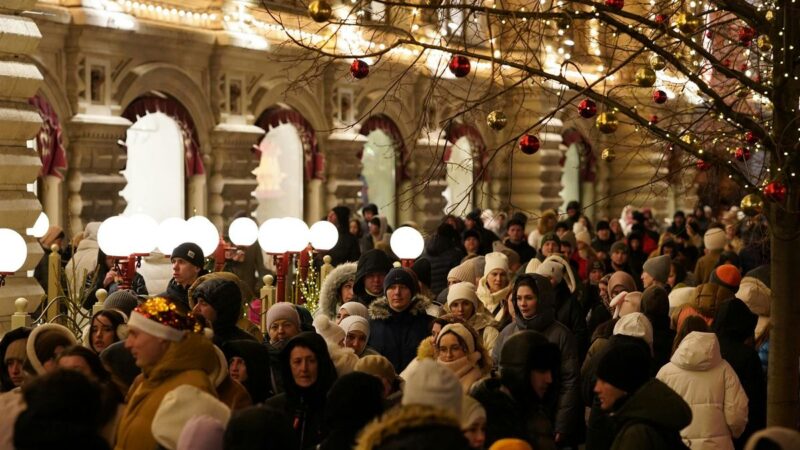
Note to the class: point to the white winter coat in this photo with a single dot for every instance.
(84, 260)
(710, 386)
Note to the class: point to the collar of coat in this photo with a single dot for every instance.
(380, 310)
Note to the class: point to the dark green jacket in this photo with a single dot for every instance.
(652, 419)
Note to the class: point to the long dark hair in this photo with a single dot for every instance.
(115, 317)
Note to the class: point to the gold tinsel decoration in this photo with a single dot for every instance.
(496, 120)
(320, 10)
(607, 122)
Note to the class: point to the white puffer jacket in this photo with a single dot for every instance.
(711, 388)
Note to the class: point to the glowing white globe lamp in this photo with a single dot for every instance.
(145, 233)
(297, 234)
(39, 228)
(407, 244)
(271, 237)
(171, 233)
(324, 235)
(14, 253)
(115, 236)
(243, 231)
(203, 233)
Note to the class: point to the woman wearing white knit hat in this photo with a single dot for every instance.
(459, 349)
(495, 285)
(462, 302)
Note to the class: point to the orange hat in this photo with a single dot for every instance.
(510, 444)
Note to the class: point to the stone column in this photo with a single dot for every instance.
(51, 199)
(430, 179)
(231, 182)
(342, 185)
(19, 165)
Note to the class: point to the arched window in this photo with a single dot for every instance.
(383, 159)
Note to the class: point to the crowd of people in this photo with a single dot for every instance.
(508, 332)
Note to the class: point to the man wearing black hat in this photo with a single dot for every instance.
(398, 321)
(372, 267)
(187, 266)
(603, 240)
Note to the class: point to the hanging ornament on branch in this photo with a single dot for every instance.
(653, 119)
(459, 66)
(703, 166)
(750, 137)
(645, 77)
(752, 205)
(775, 191)
(529, 144)
(608, 155)
(659, 96)
(686, 22)
(742, 154)
(496, 120)
(661, 19)
(359, 69)
(657, 62)
(746, 35)
(587, 108)
(607, 122)
(320, 11)
(763, 43)
(616, 4)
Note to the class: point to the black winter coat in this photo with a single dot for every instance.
(443, 254)
(396, 335)
(570, 312)
(642, 426)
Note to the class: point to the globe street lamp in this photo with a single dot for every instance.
(407, 244)
(13, 255)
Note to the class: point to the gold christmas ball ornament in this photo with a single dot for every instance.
(763, 43)
(658, 63)
(691, 140)
(687, 23)
(496, 120)
(645, 77)
(320, 10)
(752, 205)
(607, 122)
(608, 155)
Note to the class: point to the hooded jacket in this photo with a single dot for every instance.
(190, 361)
(330, 298)
(569, 413)
(305, 406)
(354, 400)
(223, 293)
(711, 388)
(641, 426)
(347, 248)
(415, 427)
(396, 335)
(371, 261)
(443, 251)
(709, 298)
(256, 359)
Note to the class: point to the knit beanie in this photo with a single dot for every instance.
(422, 267)
(471, 412)
(727, 275)
(285, 311)
(123, 300)
(621, 278)
(551, 269)
(356, 323)
(16, 350)
(635, 325)
(191, 253)
(178, 406)
(625, 366)
(461, 331)
(551, 236)
(681, 296)
(602, 225)
(619, 246)
(377, 366)
(462, 272)
(583, 236)
(715, 239)
(463, 291)
(202, 433)
(510, 444)
(355, 309)
(159, 317)
(626, 303)
(400, 275)
(658, 267)
(44, 340)
(325, 327)
(432, 384)
(495, 260)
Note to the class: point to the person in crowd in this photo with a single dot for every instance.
(180, 406)
(443, 251)
(626, 389)
(377, 235)
(603, 240)
(13, 354)
(513, 257)
(534, 309)
(371, 269)
(44, 344)
(619, 258)
(562, 228)
(710, 386)
(584, 255)
(618, 282)
(84, 259)
(260, 428)
(754, 291)
(522, 402)
(218, 298)
(655, 272)
(54, 236)
(636, 255)
(308, 373)
(229, 391)
(351, 309)
(283, 323)
(678, 223)
(187, 266)
(721, 286)
(354, 401)
(347, 247)
(473, 422)
(655, 305)
(120, 364)
(495, 285)
(337, 289)
(734, 325)
(546, 224)
(568, 308)
(516, 241)
(380, 367)
(104, 329)
(171, 350)
(678, 277)
(107, 277)
(459, 349)
(414, 426)
(462, 302)
(123, 300)
(249, 364)
(600, 311)
(471, 241)
(356, 335)
(573, 212)
(357, 230)
(422, 270)
(473, 221)
(398, 321)
(714, 241)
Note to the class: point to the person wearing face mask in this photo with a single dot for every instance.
(308, 375)
(337, 289)
(459, 349)
(398, 321)
(283, 323)
(534, 309)
(493, 288)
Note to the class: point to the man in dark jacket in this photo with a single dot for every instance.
(219, 301)
(648, 414)
(346, 248)
(516, 241)
(473, 222)
(398, 321)
(522, 402)
(187, 266)
(443, 251)
(372, 267)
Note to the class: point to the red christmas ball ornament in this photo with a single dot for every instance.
(459, 66)
(746, 35)
(654, 119)
(709, 34)
(661, 19)
(703, 166)
(742, 154)
(726, 62)
(587, 108)
(750, 137)
(359, 69)
(616, 4)
(529, 144)
(775, 191)
(659, 96)
(743, 67)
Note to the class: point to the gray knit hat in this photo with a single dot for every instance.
(122, 300)
(658, 267)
